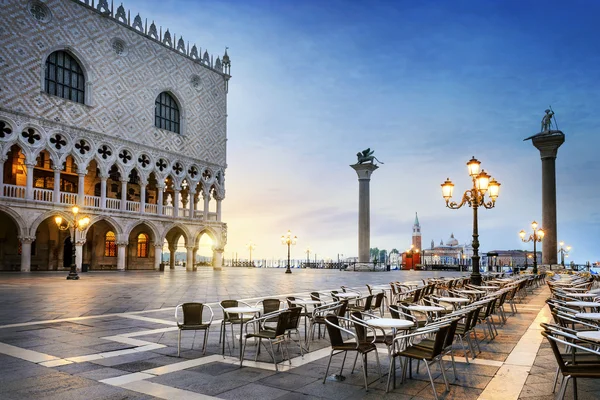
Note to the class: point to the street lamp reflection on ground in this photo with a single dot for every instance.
(77, 224)
(563, 252)
(289, 240)
(536, 236)
(475, 198)
(251, 246)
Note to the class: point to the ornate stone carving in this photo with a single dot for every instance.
(31, 136)
(5, 130)
(120, 15)
(167, 39)
(137, 23)
(181, 45)
(152, 31)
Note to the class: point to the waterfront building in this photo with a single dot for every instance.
(102, 109)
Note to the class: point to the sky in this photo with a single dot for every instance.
(427, 85)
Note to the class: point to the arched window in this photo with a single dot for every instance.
(64, 77)
(142, 245)
(166, 113)
(110, 244)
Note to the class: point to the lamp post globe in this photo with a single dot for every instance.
(536, 236)
(77, 224)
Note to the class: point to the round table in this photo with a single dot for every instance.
(488, 287)
(583, 304)
(346, 295)
(583, 295)
(594, 316)
(241, 311)
(471, 291)
(454, 300)
(305, 304)
(589, 335)
(390, 323)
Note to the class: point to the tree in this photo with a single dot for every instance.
(374, 253)
(382, 256)
(394, 251)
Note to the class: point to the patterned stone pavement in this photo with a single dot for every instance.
(111, 335)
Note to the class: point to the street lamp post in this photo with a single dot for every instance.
(251, 246)
(536, 236)
(563, 251)
(475, 198)
(76, 224)
(289, 240)
(308, 257)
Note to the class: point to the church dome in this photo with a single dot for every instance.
(452, 241)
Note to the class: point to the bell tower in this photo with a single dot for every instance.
(416, 234)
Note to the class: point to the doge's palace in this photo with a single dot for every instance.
(110, 112)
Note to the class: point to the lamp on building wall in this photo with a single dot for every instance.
(563, 252)
(289, 240)
(536, 236)
(77, 224)
(475, 198)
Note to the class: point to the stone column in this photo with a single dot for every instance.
(26, 253)
(29, 182)
(157, 256)
(206, 203)
(159, 203)
(189, 264)
(2, 160)
(56, 193)
(142, 198)
(176, 203)
(123, 195)
(79, 252)
(364, 172)
(191, 203)
(80, 188)
(172, 257)
(121, 252)
(103, 180)
(218, 258)
(219, 209)
(548, 145)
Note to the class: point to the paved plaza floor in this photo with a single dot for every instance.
(112, 335)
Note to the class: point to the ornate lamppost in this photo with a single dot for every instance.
(563, 251)
(250, 246)
(536, 236)
(475, 198)
(76, 224)
(289, 240)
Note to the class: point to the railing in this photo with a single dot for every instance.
(91, 201)
(14, 191)
(133, 206)
(113, 204)
(151, 209)
(43, 195)
(198, 214)
(212, 216)
(168, 211)
(184, 212)
(68, 198)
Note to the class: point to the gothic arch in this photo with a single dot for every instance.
(177, 97)
(183, 230)
(155, 235)
(19, 222)
(118, 229)
(214, 235)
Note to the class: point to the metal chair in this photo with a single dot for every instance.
(274, 336)
(193, 321)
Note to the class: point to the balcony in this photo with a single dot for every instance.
(46, 197)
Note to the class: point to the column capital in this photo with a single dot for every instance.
(158, 246)
(548, 144)
(27, 239)
(190, 248)
(364, 171)
(218, 250)
(121, 244)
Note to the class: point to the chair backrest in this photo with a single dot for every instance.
(343, 289)
(227, 304)
(341, 311)
(192, 313)
(283, 321)
(335, 335)
(440, 339)
(393, 288)
(368, 301)
(271, 305)
(294, 317)
(378, 300)
(315, 296)
(369, 289)
(334, 295)
(394, 312)
(450, 334)
(417, 295)
(361, 331)
(290, 301)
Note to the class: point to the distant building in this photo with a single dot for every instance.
(450, 253)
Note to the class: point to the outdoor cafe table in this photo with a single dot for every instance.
(426, 309)
(594, 316)
(455, 301)
(241, 311)
(305, 304)
(589, 335)
(583, 295)
(347, 295)
(583, 304)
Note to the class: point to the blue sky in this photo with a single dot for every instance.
(425, 84)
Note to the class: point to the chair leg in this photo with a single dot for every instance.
(179, 343)
(574, 388)
(391, 371)
(555, 379)
(273, 355)
(443, 373)
(453, 364)
(205, 340)
(328, 364)
(460, 339)
(431, 380)
(343, 362)
(364, 366)
(563, 387)
(354, 364)
(244, 352)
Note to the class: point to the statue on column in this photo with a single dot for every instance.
(366, 156)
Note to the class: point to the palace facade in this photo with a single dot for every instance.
(106, 111)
